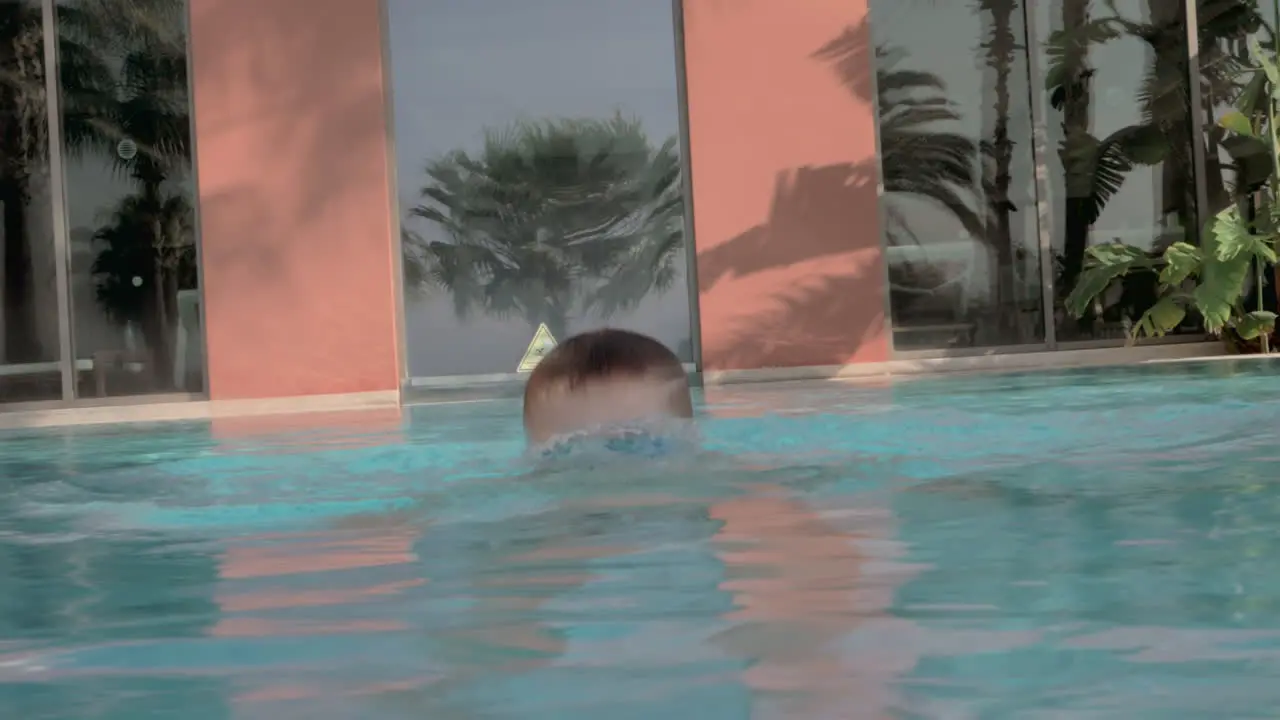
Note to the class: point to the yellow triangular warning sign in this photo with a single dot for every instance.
(541, 344)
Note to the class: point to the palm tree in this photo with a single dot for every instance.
(1096, 168)
(997, 176)
(122, 74)
(152, 112)
(922, 158)
(142, 100)
(919, 158)
(24, 141)
(150, 237)
(1089, 172)
(551, 218)
(1225, 27)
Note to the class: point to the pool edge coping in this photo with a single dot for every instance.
(870, 373)
(197, 410)
(993, 362)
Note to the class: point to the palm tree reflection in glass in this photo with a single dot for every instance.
(123, 79)
(551, 220)
(922, 158)
(1095, 168)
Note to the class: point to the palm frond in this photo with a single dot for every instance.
(920, 155)
(552, 215)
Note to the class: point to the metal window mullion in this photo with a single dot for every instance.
(197, 218)
(882, 216)
(686, 171)
(57, 194)
(1040, 153)
(399, 286)
(1198, 161)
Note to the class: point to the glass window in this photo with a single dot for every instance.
(957, 164)
(126, 126)
(1225, 69)
(540, 182)
(1234, 168)
(1117, 111)
(29, 328)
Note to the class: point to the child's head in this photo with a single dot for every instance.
(602, 378)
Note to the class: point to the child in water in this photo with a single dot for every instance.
(614, 386)
(755, 564)
(624, 392)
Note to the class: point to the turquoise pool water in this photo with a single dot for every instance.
(1089, 544)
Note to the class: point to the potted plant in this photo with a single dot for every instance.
(1211, 279)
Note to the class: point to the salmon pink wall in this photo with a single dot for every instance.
(783, 154)
(296, 243)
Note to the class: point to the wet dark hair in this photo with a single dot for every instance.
(603, 354)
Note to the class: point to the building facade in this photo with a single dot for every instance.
(240, 200)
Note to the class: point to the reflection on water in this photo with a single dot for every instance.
(671, 596)
(801, 587)
(947, 554)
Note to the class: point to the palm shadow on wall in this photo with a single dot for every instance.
(829, 211)
(326, 133)
(807, 323)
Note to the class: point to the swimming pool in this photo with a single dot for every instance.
(1093, 544)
